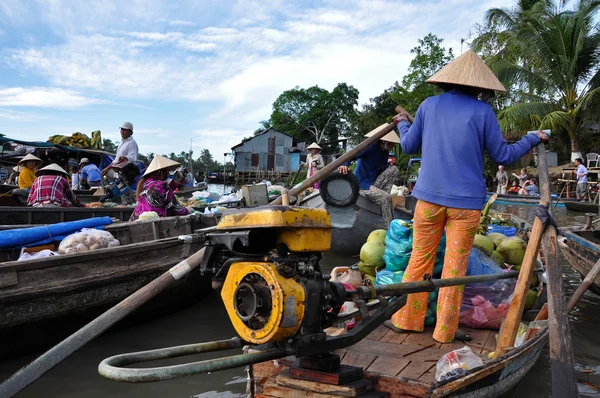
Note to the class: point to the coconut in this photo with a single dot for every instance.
(512, 250)
(377, 235)
(497, 237)
(497, 257)
(531, 299)
(484, 243)
(371, 254)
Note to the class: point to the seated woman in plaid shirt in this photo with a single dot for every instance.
(51, 189)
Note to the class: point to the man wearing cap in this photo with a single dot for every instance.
(27, 174)
(452, 130)
(582, 172)
(128, 148)
(90, 173)
(375, 175)
(51, 189)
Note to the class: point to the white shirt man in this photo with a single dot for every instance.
(128, 148)
(582, 172)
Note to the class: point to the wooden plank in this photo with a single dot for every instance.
(8, 278)
(378, 333)
(379, 348)
(272, 389)
(429, 376)
(341, 352)
(345, 374)
(416, 369)
(388, 365)
(422, 339)
(362, 360)
(352, 389)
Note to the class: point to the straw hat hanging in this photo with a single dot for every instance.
(468, 70)
(30, 157)
(17, 169)
(160, 163)
(389, 137)
(314, 145)
(51, 168)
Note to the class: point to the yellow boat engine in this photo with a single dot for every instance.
(266, 262)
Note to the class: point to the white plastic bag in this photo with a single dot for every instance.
(456, 363)
(87, 240)
(24, 256)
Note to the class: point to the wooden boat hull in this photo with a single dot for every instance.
(17, 215)
(582, 250)
(40, 296)
(525, 200)
(352, 225)
(585, 207)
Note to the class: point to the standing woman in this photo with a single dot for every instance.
(314, 160)
(452, 130)
(27, 174)
(155, 193)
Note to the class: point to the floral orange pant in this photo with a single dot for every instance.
(429, 222)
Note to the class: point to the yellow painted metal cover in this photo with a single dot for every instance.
(275, 217)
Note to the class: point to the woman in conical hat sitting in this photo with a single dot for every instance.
(452, 130)
(314, 161)
(27, 174)
(51, 189)
(155, 193)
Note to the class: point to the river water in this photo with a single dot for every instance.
(77, 376)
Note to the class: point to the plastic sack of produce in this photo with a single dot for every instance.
(398, 246)
(485, 307)
(87, 240)
(456, 363)
(386, 277)
(481, 264)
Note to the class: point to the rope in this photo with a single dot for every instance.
(543, 214)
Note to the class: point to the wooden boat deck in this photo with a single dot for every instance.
(411, 355)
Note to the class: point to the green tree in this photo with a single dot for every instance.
(315, 114)
(264, 125)
(429, 57)
(561, 53)
(109, 146)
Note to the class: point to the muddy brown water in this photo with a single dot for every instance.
(77, 376)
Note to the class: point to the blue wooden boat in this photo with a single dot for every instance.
(582, 250)
(522, 200)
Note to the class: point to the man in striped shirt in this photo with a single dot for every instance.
(51, 189)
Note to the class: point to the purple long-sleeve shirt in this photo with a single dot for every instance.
(159, 196)
(452, 130)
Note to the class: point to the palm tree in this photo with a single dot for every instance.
(560, 53)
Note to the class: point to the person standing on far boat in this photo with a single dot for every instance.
(375, 176)
(51, 189)
(90, 173)
(155, 193)
(452, 130)
(314, 161)
(582, 182)
(523, 177)
(27, 174)
(127, 150)
(502, 179)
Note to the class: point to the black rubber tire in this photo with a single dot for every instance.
(330, 200)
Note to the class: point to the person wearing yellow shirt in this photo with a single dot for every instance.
(27, 175)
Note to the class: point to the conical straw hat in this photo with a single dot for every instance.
(314, 145)
(468, 70)
(51, 167)
(17, 169)
(389, 137)
(159, 163)
(30, 157)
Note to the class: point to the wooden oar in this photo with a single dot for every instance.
(561, 348)
(295, 177)
(563, 190)
(59, 352)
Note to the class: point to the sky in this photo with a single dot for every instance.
(201, 73)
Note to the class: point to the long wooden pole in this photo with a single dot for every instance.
(56, 354)
(561, 348)
(325, 171)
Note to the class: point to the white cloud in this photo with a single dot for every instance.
(176, 22)
(9, 114)
(45, 97)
